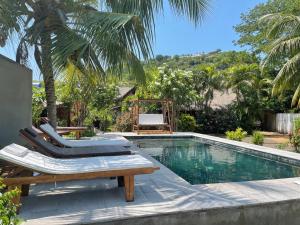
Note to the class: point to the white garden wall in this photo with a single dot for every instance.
(284, 122)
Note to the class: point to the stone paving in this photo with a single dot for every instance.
(159, 194)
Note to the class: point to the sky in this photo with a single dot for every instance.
(176, 35)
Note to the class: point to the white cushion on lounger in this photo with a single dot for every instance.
(151, 119)
(22, 156)
(109, 140)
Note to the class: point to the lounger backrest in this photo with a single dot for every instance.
(21, 156)
(41, 145)
(151, 119)
(49, 130)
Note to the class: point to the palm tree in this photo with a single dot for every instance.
(284, 31)
(78, 32)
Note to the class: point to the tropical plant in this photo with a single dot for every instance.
(207, 79)
(257, 138)
(252, 33)
(177, 85)
(216, 121)
(80, 33)
(8, 209)
(284, 30)
(124, 122)
(295, 135)
(38, 100)
(238, 135)
(187, 122)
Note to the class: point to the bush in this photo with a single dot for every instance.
(100, 119)
(257, 138)
(238, 135)
(216, 121)
(88, 133)
(295, 136)
(38, 98)
(187, 122)
(124, 122)
(8, 210)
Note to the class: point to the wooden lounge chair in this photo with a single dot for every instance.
(151, 120)
(104, 140)
(47, 148)
(76, 130)
(55, 170)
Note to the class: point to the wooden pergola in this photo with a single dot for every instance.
(163, 122)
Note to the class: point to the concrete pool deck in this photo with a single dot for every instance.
(164, 198)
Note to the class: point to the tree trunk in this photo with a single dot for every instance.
(48, 76)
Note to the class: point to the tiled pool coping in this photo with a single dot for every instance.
(164, 198)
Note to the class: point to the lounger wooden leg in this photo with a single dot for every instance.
(25, 187)
(129, 188)
(121, 181)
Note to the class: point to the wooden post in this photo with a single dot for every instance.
(77, 134)
(129, 188)
(138, 116)
(25, 187)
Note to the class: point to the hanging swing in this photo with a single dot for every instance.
(152, 123)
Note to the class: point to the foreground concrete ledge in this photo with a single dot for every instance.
(164, 198)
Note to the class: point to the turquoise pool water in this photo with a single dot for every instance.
(200, 163)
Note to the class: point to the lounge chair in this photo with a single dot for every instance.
(151, 120)
(55, 170)
(47, 148)
(76, 130)
(104, 140)
(42, 134)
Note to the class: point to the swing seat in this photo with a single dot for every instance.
(151, 119)
(158, 123)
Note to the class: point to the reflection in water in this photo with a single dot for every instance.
(200, 163)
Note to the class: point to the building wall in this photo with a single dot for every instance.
(15, 100)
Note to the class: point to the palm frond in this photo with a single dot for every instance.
(281, 24)
(286, 77)
(281, 47)
(69, 46)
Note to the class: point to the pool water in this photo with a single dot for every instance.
(200, 163)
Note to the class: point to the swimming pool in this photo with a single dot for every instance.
(202, 163)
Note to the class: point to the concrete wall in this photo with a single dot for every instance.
(15, 100)
(278, 213)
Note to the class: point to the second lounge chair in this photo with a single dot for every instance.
(104, 140)
(49, 149)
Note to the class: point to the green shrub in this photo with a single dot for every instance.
(124, 122)
(295, 136)
(187, 122)
(88, 133)
(101, 119)
(216, 121)
(38, 99)
(282, 146)
(238, 135)
(8, 210)
(257, 138)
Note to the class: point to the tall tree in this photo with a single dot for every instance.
(60, 32)
(251, 33)
(284, 31)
